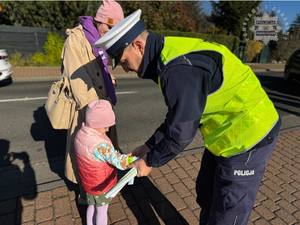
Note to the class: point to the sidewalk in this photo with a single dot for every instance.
(31, 73)
(267, 67)
(53, 73)
(168, 195)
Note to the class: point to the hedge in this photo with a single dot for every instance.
(231, 42)
(51, 56)
(54, 45)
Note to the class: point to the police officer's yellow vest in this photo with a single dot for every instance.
(239, 114)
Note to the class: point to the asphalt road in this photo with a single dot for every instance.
(140, 110)
(24, 124)
(285, 95)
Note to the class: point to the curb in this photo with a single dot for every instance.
(54, 78)
(30, 73)
(24, 74)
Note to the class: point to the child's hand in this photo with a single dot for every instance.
(130, 160)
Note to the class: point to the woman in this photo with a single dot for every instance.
(87, 68)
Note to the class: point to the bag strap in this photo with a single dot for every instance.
(66, 87)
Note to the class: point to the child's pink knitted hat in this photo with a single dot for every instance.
(99, 114)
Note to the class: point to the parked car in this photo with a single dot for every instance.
(5, 67)
(292, 67)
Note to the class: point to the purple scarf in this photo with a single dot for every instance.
(92, 35)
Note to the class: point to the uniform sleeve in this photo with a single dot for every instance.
(107, 153)
(75, 58)
(185, 92)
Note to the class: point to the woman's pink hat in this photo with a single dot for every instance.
(99, 114)
(110, 12)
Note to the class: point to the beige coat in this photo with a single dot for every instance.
(87, 85)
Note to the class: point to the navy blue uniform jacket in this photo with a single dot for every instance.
(186, 83)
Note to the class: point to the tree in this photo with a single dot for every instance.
(294, 31)
(296, 22)
(166, 15)
(282, 49)
(253, 48)
(59, 15)
(54, 15)
(230, 15)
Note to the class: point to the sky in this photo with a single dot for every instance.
(288, 9)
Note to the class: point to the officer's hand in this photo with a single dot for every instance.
(140, 151)
(142, 168)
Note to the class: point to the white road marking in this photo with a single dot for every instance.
(21, 99)
(43, 98)
(126, 92)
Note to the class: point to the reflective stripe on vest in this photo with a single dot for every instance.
(239, 114)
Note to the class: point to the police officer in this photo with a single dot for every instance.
(204, 85)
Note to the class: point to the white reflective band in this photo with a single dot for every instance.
(128, 177)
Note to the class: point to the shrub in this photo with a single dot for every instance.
(253, 49)
(282, 49)
(53, 47)
(50, 57)
(16, 59)
(232, 42)
(38, 59)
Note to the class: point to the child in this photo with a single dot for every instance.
(97, 159)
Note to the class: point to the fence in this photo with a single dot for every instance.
(25, 40)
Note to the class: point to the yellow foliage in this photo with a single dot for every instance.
(253, 49)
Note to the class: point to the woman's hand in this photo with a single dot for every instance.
(114, 81)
